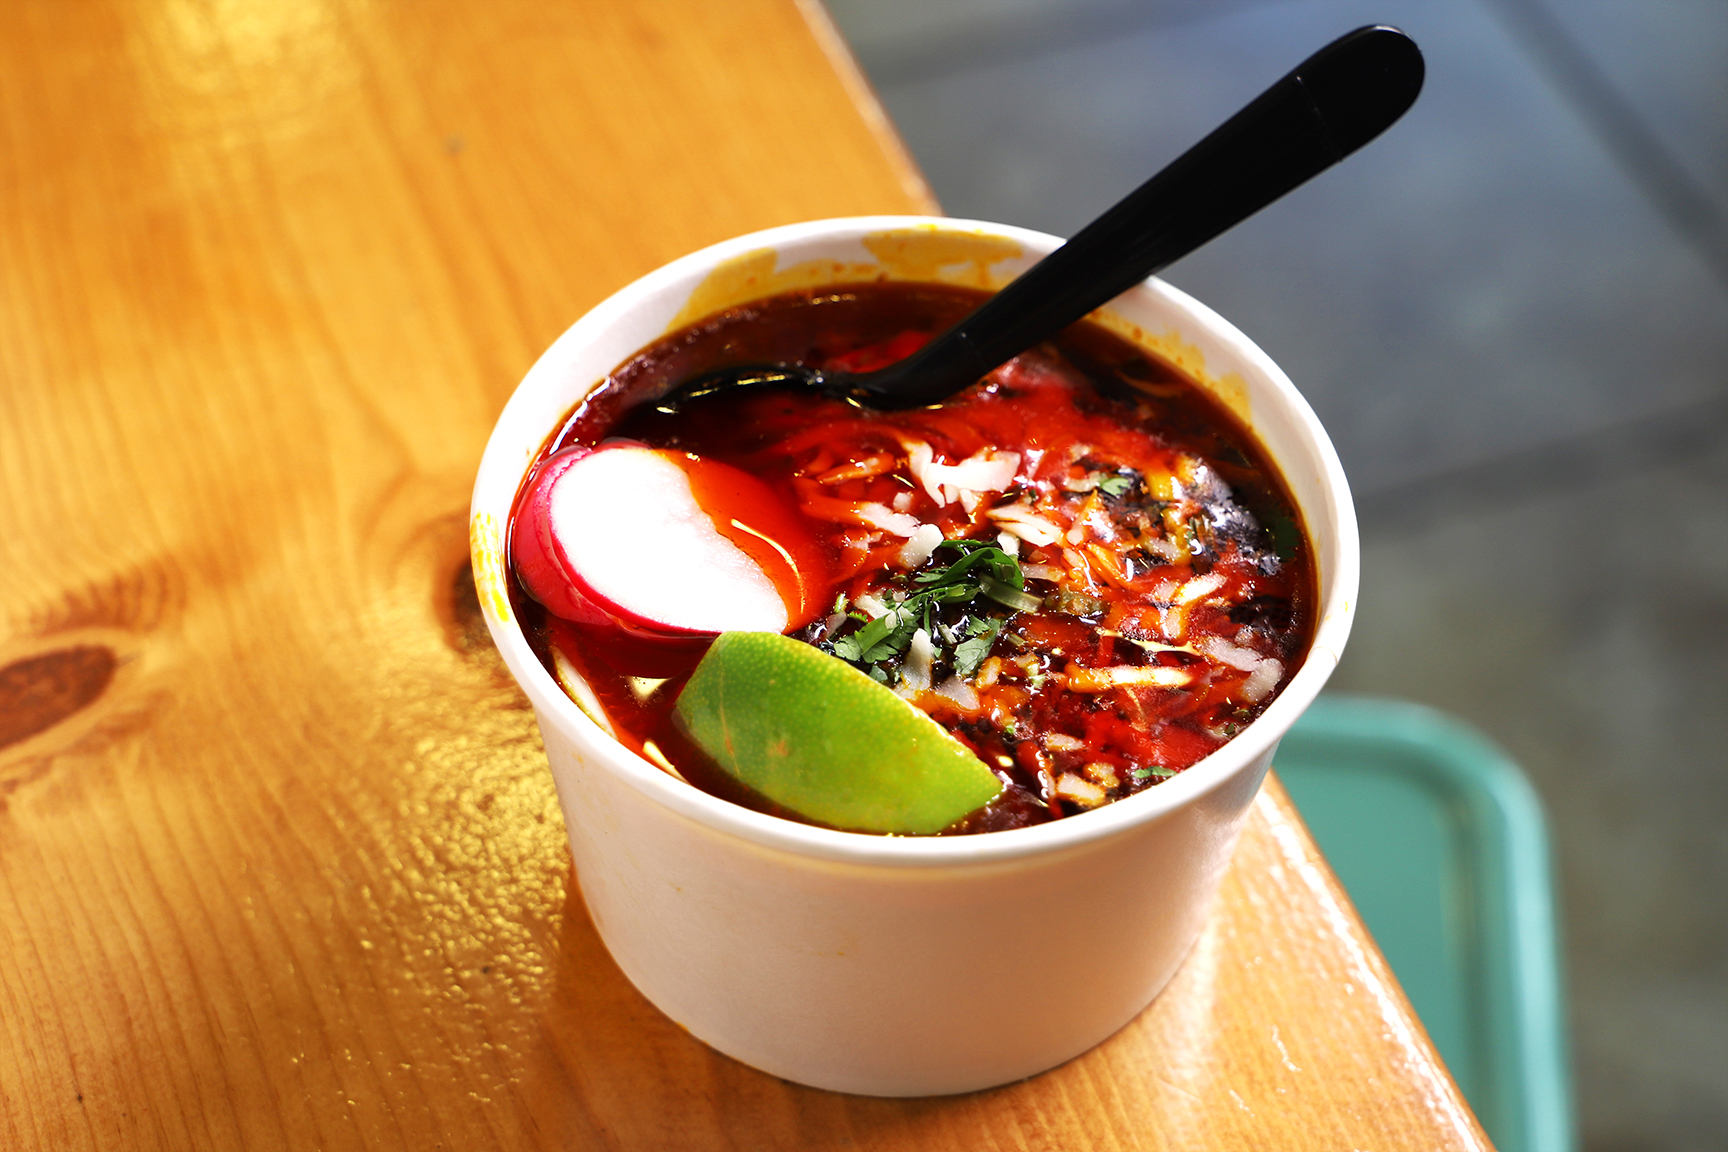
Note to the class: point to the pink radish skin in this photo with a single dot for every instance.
(532, 553)
(614, 536)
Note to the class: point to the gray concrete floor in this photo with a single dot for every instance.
(1512, 314)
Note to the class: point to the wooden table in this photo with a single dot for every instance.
(280, 863)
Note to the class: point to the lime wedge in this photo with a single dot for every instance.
(823, 740)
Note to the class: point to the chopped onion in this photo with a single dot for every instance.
(872, 606)
(1171, 622)
(989, 672)
(960, 692)
(572, 682)
(1020, 520)
(915, 673)
(1221, 650)
(920, 545)
(1262, 680)
(1198, 587)
(1082, 791)
(986, 470)
(883, 517)
(1166, 550)
(1102, 774)
(919, 457)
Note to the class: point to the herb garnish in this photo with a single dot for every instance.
(971, 652)
(984, 572)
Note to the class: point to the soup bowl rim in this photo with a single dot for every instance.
(504, 464)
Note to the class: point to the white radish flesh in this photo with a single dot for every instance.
(631, 535)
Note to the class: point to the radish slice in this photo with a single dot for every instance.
(533, 555)
(617, 532)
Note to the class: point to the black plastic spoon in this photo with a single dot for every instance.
(1330, 105)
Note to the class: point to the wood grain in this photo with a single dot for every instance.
(280, 863)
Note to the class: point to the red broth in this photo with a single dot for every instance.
(1167, 589)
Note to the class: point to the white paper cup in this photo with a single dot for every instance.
(882, 965)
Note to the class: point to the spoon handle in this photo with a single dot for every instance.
(1330, 105)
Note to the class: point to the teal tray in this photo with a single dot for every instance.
(1439, 839)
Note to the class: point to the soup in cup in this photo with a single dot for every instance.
(910, 964)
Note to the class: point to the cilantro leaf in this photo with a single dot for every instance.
(983, 572)
(971, 652)
(997, 565)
